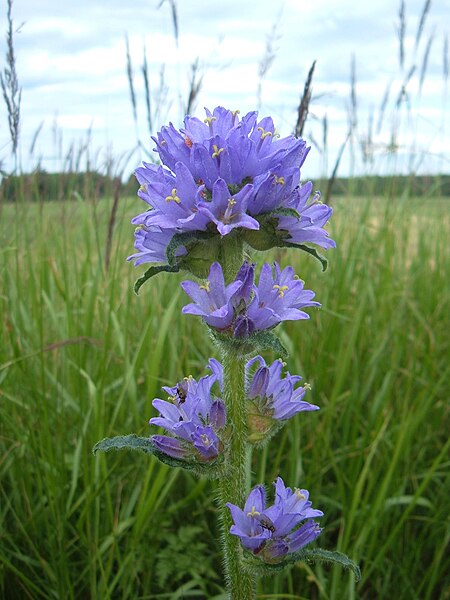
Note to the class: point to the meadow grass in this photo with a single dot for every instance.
(82, 357)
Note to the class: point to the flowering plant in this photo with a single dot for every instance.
(227, 186)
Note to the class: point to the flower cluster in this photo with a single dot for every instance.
(226, 173)
(194, 418)
(272, 532)
(242, 307)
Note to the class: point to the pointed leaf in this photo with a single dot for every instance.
(127, 442)
(312, 251)
(314, 555)
(132, 441)
(151, 272)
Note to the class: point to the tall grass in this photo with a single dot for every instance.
(81, 358)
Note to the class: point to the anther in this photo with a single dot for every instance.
(217, 151)
(279, 180)
(173, 196)
(264, 133)
(188, 142)
(299, 495)
(228, 214)
(143, 187)
(281, 289)
(253, 513)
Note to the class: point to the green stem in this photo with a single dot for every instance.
(241, 585)
(233, 487)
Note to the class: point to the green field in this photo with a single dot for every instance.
(82, 357)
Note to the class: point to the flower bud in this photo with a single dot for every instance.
(243, 327)
(218, 414)
(275, 551)
(170, 446)
(246, 274)
(259, 384)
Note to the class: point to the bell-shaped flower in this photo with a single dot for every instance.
(228, 211)
(272, 394)
(212, 299)
(313, 216)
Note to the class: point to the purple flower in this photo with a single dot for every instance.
(212, 300)
(228, 212)
(273, 397)
(252, 534)
(242, 307)
(193, 417)
(279, 297)
(173, 198)
(151, 244)
(274, 531)
(314, 215)
(225, 173)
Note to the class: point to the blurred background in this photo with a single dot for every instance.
(84, 87)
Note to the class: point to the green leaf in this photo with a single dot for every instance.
(124, 442)
(259, 341)
(257, 566)
(327, 556)
(151, 272)
(212, 470)
(269, 236)
(312, 251)
(186, 239)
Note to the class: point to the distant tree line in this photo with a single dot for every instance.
(40, 185)
(392, 185)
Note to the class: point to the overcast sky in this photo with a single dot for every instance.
(71, 63)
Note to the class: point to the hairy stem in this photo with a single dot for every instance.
(241, 584)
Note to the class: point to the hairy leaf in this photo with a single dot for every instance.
(257, 566)
(211, 470)
(124, 442)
